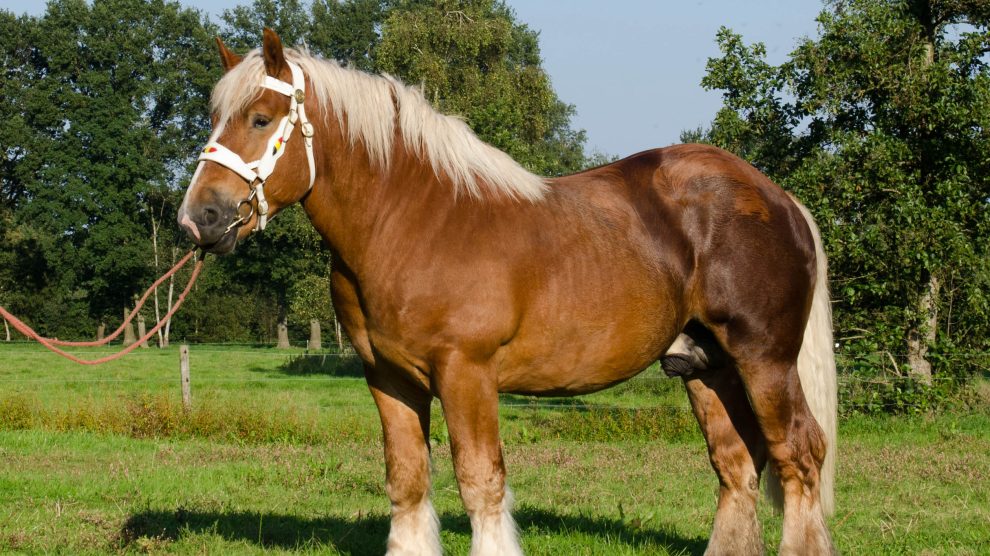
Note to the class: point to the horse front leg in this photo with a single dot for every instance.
(405, 415)
(469, 394)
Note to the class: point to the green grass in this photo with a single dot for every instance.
(288, 459)
(243, 393)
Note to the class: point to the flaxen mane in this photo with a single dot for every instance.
(445, 142)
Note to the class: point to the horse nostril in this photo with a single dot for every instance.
(210, 216)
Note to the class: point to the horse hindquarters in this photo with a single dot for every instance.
(805, 531)
(759, 314)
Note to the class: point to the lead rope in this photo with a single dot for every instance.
(51, 343)
(130, 317)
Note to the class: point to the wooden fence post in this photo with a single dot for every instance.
(184, 372)
(129, 337)
(315, 342)
(142, 330)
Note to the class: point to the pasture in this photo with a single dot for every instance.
(281, 453)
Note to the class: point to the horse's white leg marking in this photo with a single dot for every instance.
(494, 531)
(736, 529)
(415, 531)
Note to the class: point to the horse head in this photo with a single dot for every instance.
(259, 158)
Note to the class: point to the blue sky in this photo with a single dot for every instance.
(632, 68)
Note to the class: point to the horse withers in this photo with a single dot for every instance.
(457, 274)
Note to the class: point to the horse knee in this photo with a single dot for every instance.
(801, 454)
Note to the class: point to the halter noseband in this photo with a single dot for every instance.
(256, 172)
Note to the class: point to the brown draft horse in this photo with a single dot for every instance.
(457, 274)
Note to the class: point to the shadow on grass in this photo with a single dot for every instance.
(363, 535)
(317, 364)
(517, 401)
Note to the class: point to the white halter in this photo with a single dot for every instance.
(258, 171)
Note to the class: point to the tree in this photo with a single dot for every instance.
(278, 263)
(110, 101)
(881, 126)
(105, 105)
(244, 24)
(473, 59)
(347, 31)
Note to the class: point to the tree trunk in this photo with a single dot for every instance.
(283, 336)
(129, 337)
(922, 336)
(315, 341)
(142, 330)
(6, 330)
(154, 246)
(171, 288)
(101, 332)
(340, 337)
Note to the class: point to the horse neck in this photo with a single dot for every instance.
(361, 207)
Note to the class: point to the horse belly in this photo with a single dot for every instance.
(578, 359)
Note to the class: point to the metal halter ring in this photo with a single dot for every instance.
(242, 219)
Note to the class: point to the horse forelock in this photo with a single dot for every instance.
(369, 107)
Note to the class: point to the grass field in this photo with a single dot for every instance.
(281, 453)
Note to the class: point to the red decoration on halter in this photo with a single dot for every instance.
(210, 150)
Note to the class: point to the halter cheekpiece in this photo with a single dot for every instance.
(257, 172)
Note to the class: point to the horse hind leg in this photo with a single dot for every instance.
(796, 446)
(736, 447)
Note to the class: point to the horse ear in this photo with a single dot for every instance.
(272, 49)
(227, 58)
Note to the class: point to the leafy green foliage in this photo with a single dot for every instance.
(473, 59)
(106, 104)
(244, 24)
(881, 126)
(347, 31)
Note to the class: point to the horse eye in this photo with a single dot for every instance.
(260, 122)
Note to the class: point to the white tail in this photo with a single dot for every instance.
(816, 367)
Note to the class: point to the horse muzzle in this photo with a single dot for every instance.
(209, 228)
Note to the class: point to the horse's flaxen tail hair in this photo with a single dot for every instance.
(816, 367)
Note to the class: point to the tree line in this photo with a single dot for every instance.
(880, 125)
